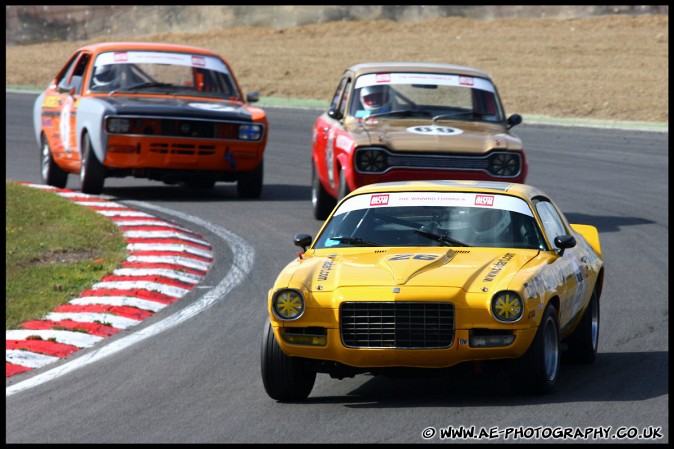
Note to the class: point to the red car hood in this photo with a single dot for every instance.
(443, 137)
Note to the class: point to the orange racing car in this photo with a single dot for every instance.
(170, 113)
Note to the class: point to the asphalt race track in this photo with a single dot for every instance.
(198, 380)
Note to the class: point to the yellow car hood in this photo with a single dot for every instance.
(470, 269)
(418, 136)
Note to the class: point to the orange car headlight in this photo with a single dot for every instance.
(118, 125)
(507, 306)
(287, 304)
(250, 132)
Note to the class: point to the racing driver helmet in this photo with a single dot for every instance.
(375, 98)
(488, 224)
(103, 75)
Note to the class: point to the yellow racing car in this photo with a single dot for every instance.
(431, 274)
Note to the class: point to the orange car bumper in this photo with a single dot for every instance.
(184, 154)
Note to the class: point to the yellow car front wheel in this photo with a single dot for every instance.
(285, 379)
(584, 341)
(537, 371)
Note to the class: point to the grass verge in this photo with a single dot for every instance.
(54, 250)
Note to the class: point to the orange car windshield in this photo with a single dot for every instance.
(162, 73)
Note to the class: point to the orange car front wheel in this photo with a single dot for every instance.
(92, 172)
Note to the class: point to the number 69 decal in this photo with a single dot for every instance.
(414, 256)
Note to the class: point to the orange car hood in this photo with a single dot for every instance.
(175, 106)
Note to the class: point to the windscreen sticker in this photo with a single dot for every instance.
(438, 79)
(466, 81)
(156, 57)
(379, 200)
(484, 200)
(449, 199)
(434, 130)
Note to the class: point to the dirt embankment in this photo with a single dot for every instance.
(608, 67)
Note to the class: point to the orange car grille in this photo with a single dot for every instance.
(407, 325)
(182, 149)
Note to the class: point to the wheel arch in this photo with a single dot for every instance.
(322, 170)
(344, 165)
(555, 301)
(42, 136)
(37, 118)
(599, 285)
(91, 114)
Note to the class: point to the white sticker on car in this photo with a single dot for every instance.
(434, 130)
(159, 57)
(329, 157)
(64, 123)
(448, 199)
(211, 106)
(371, 79)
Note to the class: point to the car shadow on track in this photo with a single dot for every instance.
(606, 223)
(610, 378)
(221, 192)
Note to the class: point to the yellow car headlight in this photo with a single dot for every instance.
(287, 304)
(507, 306)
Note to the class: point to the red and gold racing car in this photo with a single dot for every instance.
(412, 121)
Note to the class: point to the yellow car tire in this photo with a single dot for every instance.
(584, 341)
(537, 371)
(285, 378)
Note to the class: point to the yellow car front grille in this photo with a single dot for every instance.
(405, 325)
